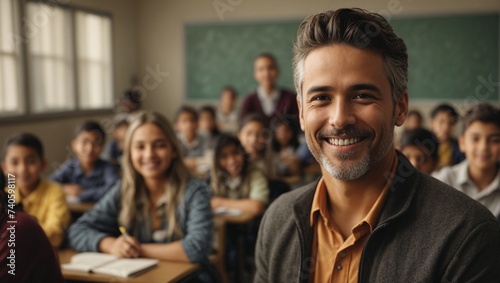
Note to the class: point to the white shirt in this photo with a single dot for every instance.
(268, 101)
(228, 123)
(457, 176)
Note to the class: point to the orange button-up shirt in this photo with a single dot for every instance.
(338, 260)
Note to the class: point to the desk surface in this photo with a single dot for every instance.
(166, 271)
(240, 219)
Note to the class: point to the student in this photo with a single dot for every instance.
(165, 211)
(372, 217)
(34, 260)
(443, 120)
(255, 139)
(268, 100)
(194, 146)
(414, 120)
(227, 114)
(130, 101)
(479, 175)
(114, 150)
(237, 185)
(420, 146)
(284, 145)
(86, 177)
(208, 124)
(23, 157)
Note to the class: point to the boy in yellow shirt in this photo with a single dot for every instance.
(23, 157)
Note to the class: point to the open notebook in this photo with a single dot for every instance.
(109, 264)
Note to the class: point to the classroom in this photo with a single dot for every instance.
(175, 60)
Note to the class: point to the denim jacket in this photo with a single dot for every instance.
(193, 213)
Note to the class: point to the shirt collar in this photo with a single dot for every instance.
(319, 205)
(462, 170)
(273, 96)
(494, 186)
(35, 196)
(184, 141)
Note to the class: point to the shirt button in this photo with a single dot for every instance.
(339, 267)
(342, 254)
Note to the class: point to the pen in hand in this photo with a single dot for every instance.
(130, 241)
(124, 231)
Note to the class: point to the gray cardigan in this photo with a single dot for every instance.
(194, 215)
(428, 232)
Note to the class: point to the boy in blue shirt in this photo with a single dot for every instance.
(86, 177)
(443, 119)
(479, 175)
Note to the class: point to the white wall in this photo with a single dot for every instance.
(56, 133)
(161, 23)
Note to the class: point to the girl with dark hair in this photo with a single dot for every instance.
(234, 181)
(237, 185)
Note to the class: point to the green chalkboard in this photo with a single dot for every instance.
(448, 55)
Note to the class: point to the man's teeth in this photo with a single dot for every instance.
(343, 141)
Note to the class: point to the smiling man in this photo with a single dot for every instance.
(372, 217)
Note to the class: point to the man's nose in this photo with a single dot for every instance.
(341, 114)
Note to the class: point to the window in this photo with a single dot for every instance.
(94, 60)
(69, 59)
(10, 84)
(51, 65)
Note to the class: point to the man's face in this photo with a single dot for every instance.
(347, 111)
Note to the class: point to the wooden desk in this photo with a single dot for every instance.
(165, 271)
(240, 219)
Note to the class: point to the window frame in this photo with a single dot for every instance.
(27, 113)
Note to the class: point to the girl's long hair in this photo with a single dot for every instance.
(133, 186)
(219, 176)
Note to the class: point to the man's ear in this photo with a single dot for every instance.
(301, 117)
(401, 109)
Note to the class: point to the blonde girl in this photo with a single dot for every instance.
(165, 211)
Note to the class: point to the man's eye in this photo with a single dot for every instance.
(320, 98)
(363, 96)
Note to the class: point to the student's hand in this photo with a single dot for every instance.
(72, 189)
(215, 202)
(125, 246)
